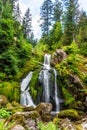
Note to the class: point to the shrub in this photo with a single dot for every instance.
(83, 48)
(4, 113)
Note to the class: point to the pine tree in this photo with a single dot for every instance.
(71, 9)
(7, 10)
(1, 8)
(46, 11)
(57, 10)
(82, 28)
(27, 24)
(17, 13)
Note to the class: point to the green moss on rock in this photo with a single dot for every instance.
(70, 113)
(34, 85)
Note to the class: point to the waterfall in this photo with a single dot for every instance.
(26, 99)
(56, 94)
(46, 64)
(44, 78)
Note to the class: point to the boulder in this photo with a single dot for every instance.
(17, 127)
(58, 56)
(66, 124)
(3, 101)
(27, 119)
(44, 109)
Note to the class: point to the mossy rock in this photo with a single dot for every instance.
(3, 101)
(15, 104)
(69, 113)
(31, 108)
(9, 106)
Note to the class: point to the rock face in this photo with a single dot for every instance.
(58, 56)
(72, 79)
(3, 101)
(44, 110)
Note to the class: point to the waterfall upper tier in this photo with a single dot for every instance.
(46, 64)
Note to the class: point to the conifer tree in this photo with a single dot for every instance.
(57, 10)
(17, 13)
(46, 11)
(27, 24)
(71, 9)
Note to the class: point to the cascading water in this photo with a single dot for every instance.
(25, 95)
(45, 78)
(56, 94)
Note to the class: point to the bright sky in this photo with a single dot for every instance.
(34, 6)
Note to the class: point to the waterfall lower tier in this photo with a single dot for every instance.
(26, 99)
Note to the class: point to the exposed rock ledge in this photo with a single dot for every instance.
(58, 56)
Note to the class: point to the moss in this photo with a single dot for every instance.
(11, 90)
(69, 99)
(34, 85)
(70, 113)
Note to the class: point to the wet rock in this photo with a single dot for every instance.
(3, 101)
(17, 127)
(66, 124)
(44, 110)
(84, 124)
(58, 56)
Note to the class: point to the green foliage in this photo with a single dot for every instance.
(55, 36)
(34, 85)
(11, 90)
(4, 113)
(69, 99)
(49, 126)
(6, 34)
(73, 48)
(83, 48)
(1, 8)
(2, 127)
(7, 10)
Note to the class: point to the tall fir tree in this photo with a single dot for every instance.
(17, 13)
(46, 11)
(27, 24)
(58, 9)
(70, 17)
(82, 28)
